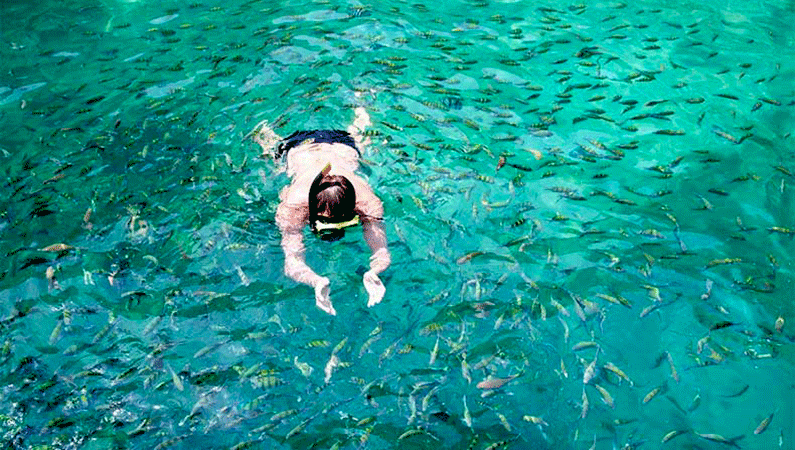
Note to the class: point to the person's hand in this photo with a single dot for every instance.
(375, 288)
(322, 296)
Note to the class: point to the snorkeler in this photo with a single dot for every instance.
(327, 194)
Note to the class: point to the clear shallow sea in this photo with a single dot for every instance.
(592, 154)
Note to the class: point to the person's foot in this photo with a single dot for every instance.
(264, 135)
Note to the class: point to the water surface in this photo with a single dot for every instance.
(574, 192)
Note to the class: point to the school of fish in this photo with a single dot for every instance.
(590, 209)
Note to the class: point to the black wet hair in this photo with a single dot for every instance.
(332, 193)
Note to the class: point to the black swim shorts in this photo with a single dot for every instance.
(318, 137)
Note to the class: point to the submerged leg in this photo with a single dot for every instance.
(264, 135)
(358, 127)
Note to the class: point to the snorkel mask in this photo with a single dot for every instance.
(332, 229)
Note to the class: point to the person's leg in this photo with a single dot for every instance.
(264, 135)
(358, 127)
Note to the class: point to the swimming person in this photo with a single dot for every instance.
(326, 194)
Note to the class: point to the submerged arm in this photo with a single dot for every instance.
(375, 236)
(380, 259)
(294, 264)
(291, 223)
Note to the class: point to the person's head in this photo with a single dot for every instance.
(332, 203)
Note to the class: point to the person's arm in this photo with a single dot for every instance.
(290, 221)
(375, 236)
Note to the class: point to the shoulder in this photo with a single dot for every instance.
(293, 210)
(298, 190)
(368, 205)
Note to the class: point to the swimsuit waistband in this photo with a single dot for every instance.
(318, 137)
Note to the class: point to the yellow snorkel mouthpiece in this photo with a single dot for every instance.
(323, 226)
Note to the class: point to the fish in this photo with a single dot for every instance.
(244, 279)
(305, 368)
(534, 419)
(388, 352)
(652, 394)
(505, 424)
(496, 445)
(618, 300)
(695, 403)
(771, 101)
(208, 348)
(318, 343)
(170, 442)
(468, 257)
(672, 434)
(56, 332)
(705, 204)
(57, 248)
(426, 400)
(297, 429)
(250, 371)
(414, 432)
(651, 232)
(585, 404)
(536, 154)
(647, 310)
(654, 293)
(413, 408)
(579, 311)
(339, 346)
(465, 370)
(606, 397)
(670, 132)
(105, 330)
(467, 414)
(332, 363)
(434, 352)
(722, 324)
(565, 329)
(175, 378)
(720, 439)
(781, 230)
(779, 324)
(708, 292)
(49, 274)
(724, 261)
(278, 417)
(584, 345)
(561, 309)
(674, 373)
(613, 368)
(590, 371)
(495, 383)
(764, 424)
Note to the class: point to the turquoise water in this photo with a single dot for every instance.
(624, 171)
